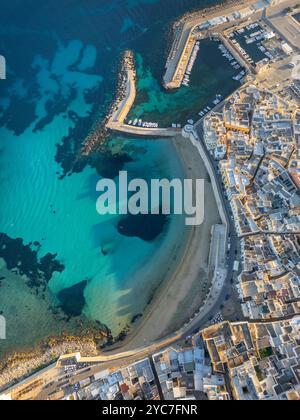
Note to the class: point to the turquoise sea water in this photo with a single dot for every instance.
(56, 251)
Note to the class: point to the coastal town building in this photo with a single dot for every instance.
(261, 360)
(133, 382)
(256, 141)
(185, 373)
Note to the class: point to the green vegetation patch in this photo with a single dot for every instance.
(267, 352)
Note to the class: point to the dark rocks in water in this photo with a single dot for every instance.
(49, 265)
(55, 107)
(122, 336)
(69, 151)
(19, 115)
(109, 165)
(144, 226)
(107, 248)
(136, 317)
(72, 299)
(23, 260)
(104, 330)
(150, 299)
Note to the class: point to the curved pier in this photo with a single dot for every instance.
(123, 107)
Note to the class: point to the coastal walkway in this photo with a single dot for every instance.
(217, 249)
(143, 131)
(124, 106)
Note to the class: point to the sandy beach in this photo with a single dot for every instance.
(186, 285)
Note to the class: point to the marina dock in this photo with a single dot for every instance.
(185, 40)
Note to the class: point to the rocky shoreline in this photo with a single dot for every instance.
(208, 10)
(96, 139)
(18, 366)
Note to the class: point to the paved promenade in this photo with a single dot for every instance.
(125, 105)
(143, 131)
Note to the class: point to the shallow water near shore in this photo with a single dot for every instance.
(55, 250)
